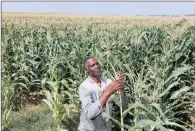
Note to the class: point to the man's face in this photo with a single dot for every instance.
(93, 67)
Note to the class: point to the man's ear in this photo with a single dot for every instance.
(86, 69)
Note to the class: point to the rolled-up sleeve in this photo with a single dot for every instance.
(91, 109)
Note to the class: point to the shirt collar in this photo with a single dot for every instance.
(92, 81)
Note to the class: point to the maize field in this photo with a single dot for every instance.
(44, 53)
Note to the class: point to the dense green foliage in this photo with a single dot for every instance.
(158, 67)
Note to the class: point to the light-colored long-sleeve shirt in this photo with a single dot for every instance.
(91, 118)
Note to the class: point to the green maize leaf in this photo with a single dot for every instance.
(135, 105)
(157, 106)
(20, 85)
(43, 82)
(169, 88)
(178, 72)
(48, 103)
(144, 123)
(65, 83)
(175, 124)
(179, 92)
(24, 78)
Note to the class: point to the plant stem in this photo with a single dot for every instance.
(121, 112)
(58, 127)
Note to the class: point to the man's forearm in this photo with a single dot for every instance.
(122, 92)
(104, 97)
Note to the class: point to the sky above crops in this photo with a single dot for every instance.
(103, 8)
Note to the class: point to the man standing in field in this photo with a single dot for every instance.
(94, 94)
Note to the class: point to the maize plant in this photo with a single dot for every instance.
(7, 95)
(161, 92)
(53, 100)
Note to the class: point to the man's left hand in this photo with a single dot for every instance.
(120, 77)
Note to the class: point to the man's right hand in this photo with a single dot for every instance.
(114, 86)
